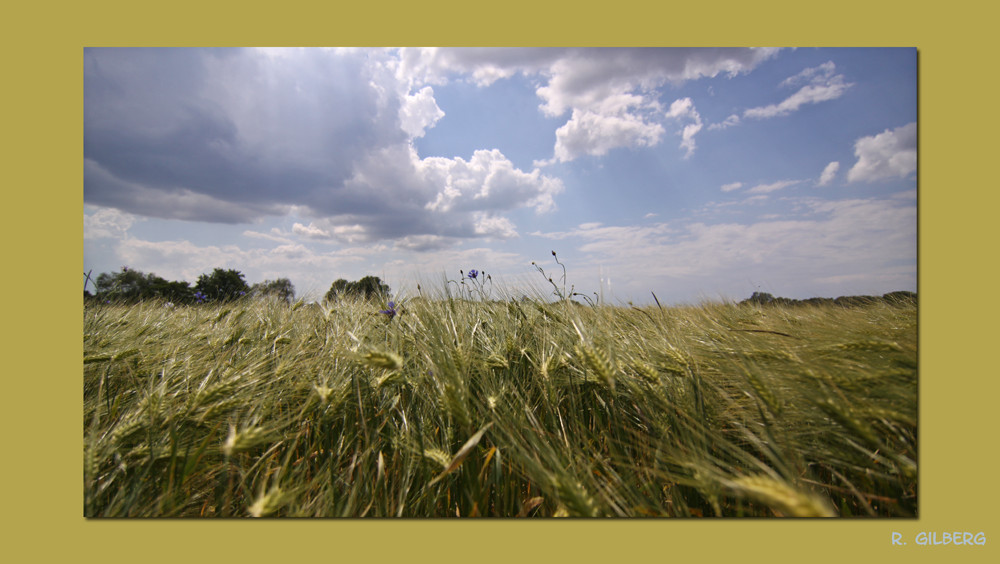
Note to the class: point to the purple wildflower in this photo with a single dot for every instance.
(391, 312)
(473, 274)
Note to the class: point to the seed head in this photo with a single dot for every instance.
(245, 439)
(379, 359)
(782, 497)
(268, 503)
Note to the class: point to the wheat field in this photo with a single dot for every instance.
(436, 407)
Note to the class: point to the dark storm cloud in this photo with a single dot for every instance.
(230, 135)
(227, 126)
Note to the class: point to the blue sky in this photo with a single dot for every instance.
(692, 173)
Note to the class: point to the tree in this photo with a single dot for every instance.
(281, 288)
(338, 289)
(759, 298)
(371, 287)
(127, 285)
(368, 287)
(222, 285)
(171, 291)
(131, 285)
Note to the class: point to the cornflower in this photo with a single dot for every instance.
(391, 312)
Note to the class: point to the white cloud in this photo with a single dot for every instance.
(330, 231)
(828, 173)
(577, 77)
(487, 181)
(583, 78)
(433, 65)
(419, 111)
(732, 186)
(609, 93)
(682, 107)
(423, 243)
(293, 251)
(683, 110)
(274, 234)
(809, 75)
(886, 155)
(823, 85)
(310, 231)
(774, 186)
(350, 234)
(726, 123)
(107, 223)
(589, 133)
(494, 226)
(396, 195)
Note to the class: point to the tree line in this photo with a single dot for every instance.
(901, 297)
(221, 285)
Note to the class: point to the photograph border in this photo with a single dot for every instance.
(43, 465)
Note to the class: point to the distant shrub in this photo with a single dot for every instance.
(818, 301)
(900, 298)
(759, 298)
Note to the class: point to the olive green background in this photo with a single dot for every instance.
(41, 490)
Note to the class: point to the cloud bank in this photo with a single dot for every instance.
(236, 135)
(833, 247)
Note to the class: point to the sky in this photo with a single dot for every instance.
(693, 174)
